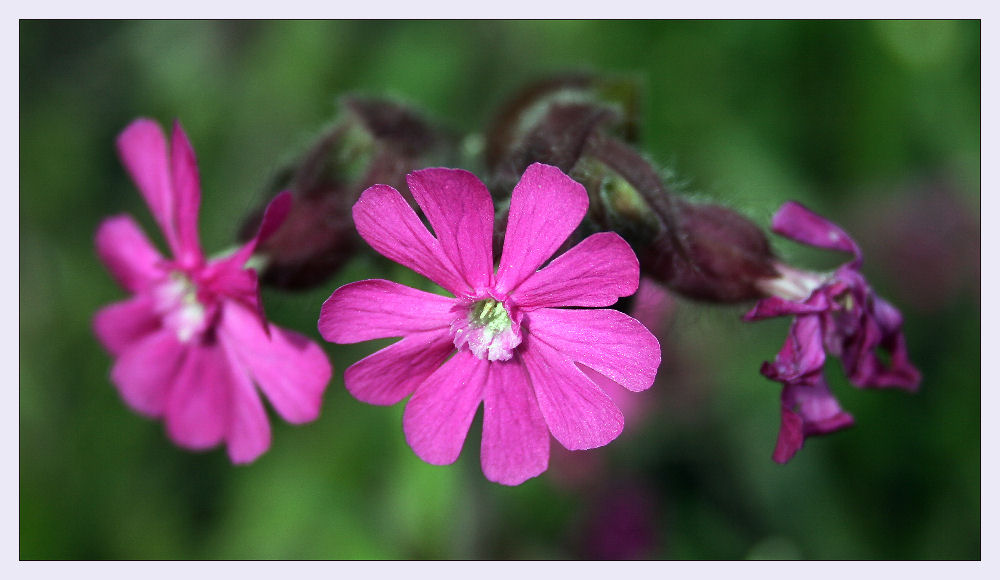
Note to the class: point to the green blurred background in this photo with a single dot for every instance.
(874, 124)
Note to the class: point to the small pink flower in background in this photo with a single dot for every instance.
(930, 251)
(835, 313)
(623, 523)
(653, 307)
(502, 341)
(192, 340)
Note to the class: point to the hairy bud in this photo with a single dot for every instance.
(375, 141)
(552, 120)
(726, 255)
(702, 251)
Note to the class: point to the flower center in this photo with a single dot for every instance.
(488, 329)
(176, 300)
(845, 299)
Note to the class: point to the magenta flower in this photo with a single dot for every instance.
(835, 313)
(501, 340)
(192, 340)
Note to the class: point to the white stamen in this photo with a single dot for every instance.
(487, 328)
(177, 302)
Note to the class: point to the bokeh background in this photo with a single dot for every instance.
(874, 124)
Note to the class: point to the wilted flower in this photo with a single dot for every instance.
(835, 313)
(192, 340)
(518, 354)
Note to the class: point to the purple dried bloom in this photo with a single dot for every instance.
(807, 406)
(835, 313)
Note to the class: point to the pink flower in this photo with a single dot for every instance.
(535, 368)
(192, 340)
(834, 313)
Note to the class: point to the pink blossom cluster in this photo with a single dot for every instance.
(528, 337)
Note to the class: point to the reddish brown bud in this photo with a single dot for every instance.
(551, 121)
(375, 141)
(725, 255)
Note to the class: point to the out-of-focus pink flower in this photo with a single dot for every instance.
(653, 306)
(835, 313)
(930, 251)
(518, 354)
(623, 524)
(192, 340)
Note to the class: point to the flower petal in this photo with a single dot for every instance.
(187, 196)
(146, 372)
(881, 329)
(579, 415)
(228, 279)
(126, 323)
(393, 373)
(143, 151)
(545, 208)
(632, 405)
(515, 445)
(595, 272)
(127, 253)
(292, 370)
(274, 215)
(773, 306)
(790, 436)
(392, 228)
(807, 408)
(371, 309)
(796, 222)
(460, 211)
(610, 342)
(802, 354)
(901, 372)
(198, 406)
(653, 306)
(437, 417)
(819, 409)
(249, 432)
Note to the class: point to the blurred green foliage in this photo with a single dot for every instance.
(842, 116)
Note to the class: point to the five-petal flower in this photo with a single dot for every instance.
(192, 340)
(504, 340)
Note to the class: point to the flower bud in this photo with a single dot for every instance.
(582, 125)
(725, 255)
(375, 141)
(702, 251)
(551, 121)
